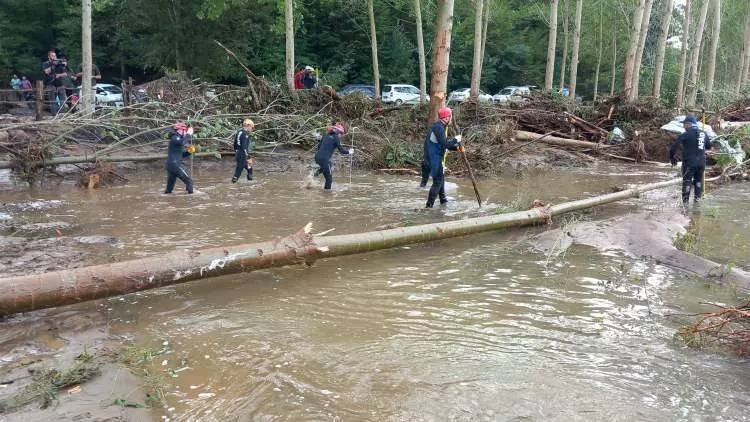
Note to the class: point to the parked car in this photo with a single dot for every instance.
(400, 94)
(512, 93)
(367, 90)
(106, 95)
(461, 95)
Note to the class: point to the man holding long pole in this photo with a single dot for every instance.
(437, 145)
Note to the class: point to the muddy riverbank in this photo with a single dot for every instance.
(472, 328)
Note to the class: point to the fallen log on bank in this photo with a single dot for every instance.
(31, 292)
(93, 158)
(523, 135)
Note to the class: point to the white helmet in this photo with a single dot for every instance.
(309, 68)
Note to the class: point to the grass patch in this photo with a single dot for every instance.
(47, 383)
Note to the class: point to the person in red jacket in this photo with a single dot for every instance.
(298, 84)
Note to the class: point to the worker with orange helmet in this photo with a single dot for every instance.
(436, 145)
(179, 146)
(242, 146)
(328, 143)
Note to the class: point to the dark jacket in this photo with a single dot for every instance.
(176, 149)
(694, 143)
(308, 80)
(436, 143)
(242, 144)
(326, 146)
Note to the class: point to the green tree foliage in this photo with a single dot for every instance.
(145, 38)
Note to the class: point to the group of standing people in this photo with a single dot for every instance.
(23, 88)
(60, 80)
(305, 78)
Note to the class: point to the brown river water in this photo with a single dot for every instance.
(476, 328)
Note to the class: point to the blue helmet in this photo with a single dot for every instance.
(690, 119)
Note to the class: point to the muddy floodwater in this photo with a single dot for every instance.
(481, 328)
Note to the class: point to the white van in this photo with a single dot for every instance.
(400, 94)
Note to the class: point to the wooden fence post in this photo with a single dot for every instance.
(39, 85)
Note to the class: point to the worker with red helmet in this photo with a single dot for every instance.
(436, 145)
(328, 143)
(179, 147)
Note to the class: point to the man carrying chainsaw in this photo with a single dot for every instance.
(437, 144)
(179, 146)
(242, 146)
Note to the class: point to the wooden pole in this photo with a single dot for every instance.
(471, 176)
(59, 288)
(39, 88)
(87, 96)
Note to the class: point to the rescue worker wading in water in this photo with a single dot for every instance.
(178, 140)
(242, 146)
(436, 145)
(694, 143)
(326, 146)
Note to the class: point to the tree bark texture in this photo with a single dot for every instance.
(420, 52)
(441, 57)
(549, 74)
(744, 50)
(599, 53)
(476, 75)
(613, 71)
(576, 47)
(641, 48)
(711, 71)
(564, 64)
(374, 46)
(289, 27)
(485, 24)
(87, 95)
(696, 47)
(661, 46)
(680, 100)
(59, 288)
(635, 32)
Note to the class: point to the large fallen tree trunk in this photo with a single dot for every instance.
(93, 158)
(30, 292)
(522, 135)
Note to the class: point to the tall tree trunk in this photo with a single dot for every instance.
(175, 36)
(420, 51)
(696, 47)
(565, 44)
(441, 57)
(485, 24)
(641, 47)
(635, 33)
(576, 47)
(599, 55)
(549, 75)
(374, 46)
(289, 26)
(87, 95)
(711, 71)
(745, 62)
(661, 46)
(680, 100)
(613, 71)
(476, 75)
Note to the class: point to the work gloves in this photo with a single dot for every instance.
(351, 151)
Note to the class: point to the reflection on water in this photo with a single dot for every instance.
(476, 328)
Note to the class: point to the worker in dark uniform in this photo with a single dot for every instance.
(694, 143)
(242, 146)
(425, 164)
(437, 144)
(327, 145)
(179, 147)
